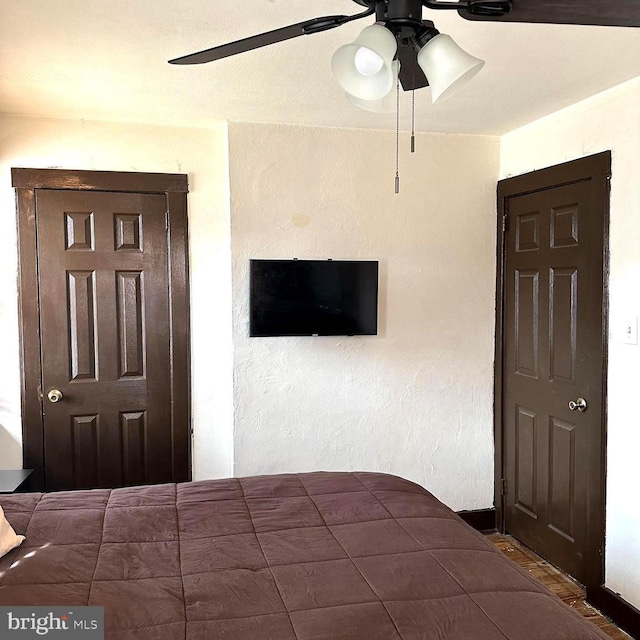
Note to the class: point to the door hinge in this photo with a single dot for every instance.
(166, 220)
(504, 487)
(505, 223)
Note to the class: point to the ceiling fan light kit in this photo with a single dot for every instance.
(386, 104)
(364, 68)
(447, 66)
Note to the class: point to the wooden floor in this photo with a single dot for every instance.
(562, 585)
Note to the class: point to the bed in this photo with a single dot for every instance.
(317, 556)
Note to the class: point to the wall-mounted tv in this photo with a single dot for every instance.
(313, 297)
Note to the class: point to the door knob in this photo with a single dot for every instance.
(54, 395)
(579, 405)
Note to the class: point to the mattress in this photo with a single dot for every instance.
(317, 556)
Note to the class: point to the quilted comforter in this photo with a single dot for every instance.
(318, 556)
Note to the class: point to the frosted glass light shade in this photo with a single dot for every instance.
(386, 104)
(363, 68)
(447, 66)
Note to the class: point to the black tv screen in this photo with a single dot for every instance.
(313, 297)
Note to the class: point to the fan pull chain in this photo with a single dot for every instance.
(413, 121)
(398, 137)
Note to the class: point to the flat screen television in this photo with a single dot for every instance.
(313, 297)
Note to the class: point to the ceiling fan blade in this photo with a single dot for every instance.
(411, 74)
(246, 44)
(621, 13)
(264, 39)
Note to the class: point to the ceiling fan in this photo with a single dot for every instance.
(404, 46)
(402, 49)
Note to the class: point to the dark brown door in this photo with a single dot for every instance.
(113, 413)
(553, 360)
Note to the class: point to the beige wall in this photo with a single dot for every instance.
(416, 400)
(202, 154)
(610, 120)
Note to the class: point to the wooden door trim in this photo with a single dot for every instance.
(596, 168)
(174, 187)
(121, 181)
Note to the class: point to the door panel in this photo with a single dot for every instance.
(104, 315)
(563, 324)
(525, 461)
(553, 354)
(131, 329)
(527, 294)
(562, 476)
(82, 321)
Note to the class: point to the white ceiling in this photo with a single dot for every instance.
(107, 60)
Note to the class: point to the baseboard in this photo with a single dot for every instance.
(481, 519)
(625, 615)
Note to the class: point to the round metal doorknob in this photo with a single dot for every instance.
(54, 395)
(579, 405)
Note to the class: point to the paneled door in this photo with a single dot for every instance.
(553, 364)
(105, 317)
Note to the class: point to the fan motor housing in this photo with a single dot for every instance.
(399, 11)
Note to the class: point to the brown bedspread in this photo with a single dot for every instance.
(318, 556)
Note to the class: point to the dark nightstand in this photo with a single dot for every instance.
(14, 480)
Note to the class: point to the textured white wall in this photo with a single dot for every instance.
(416, 400)
(42, 143)
(610, 120)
